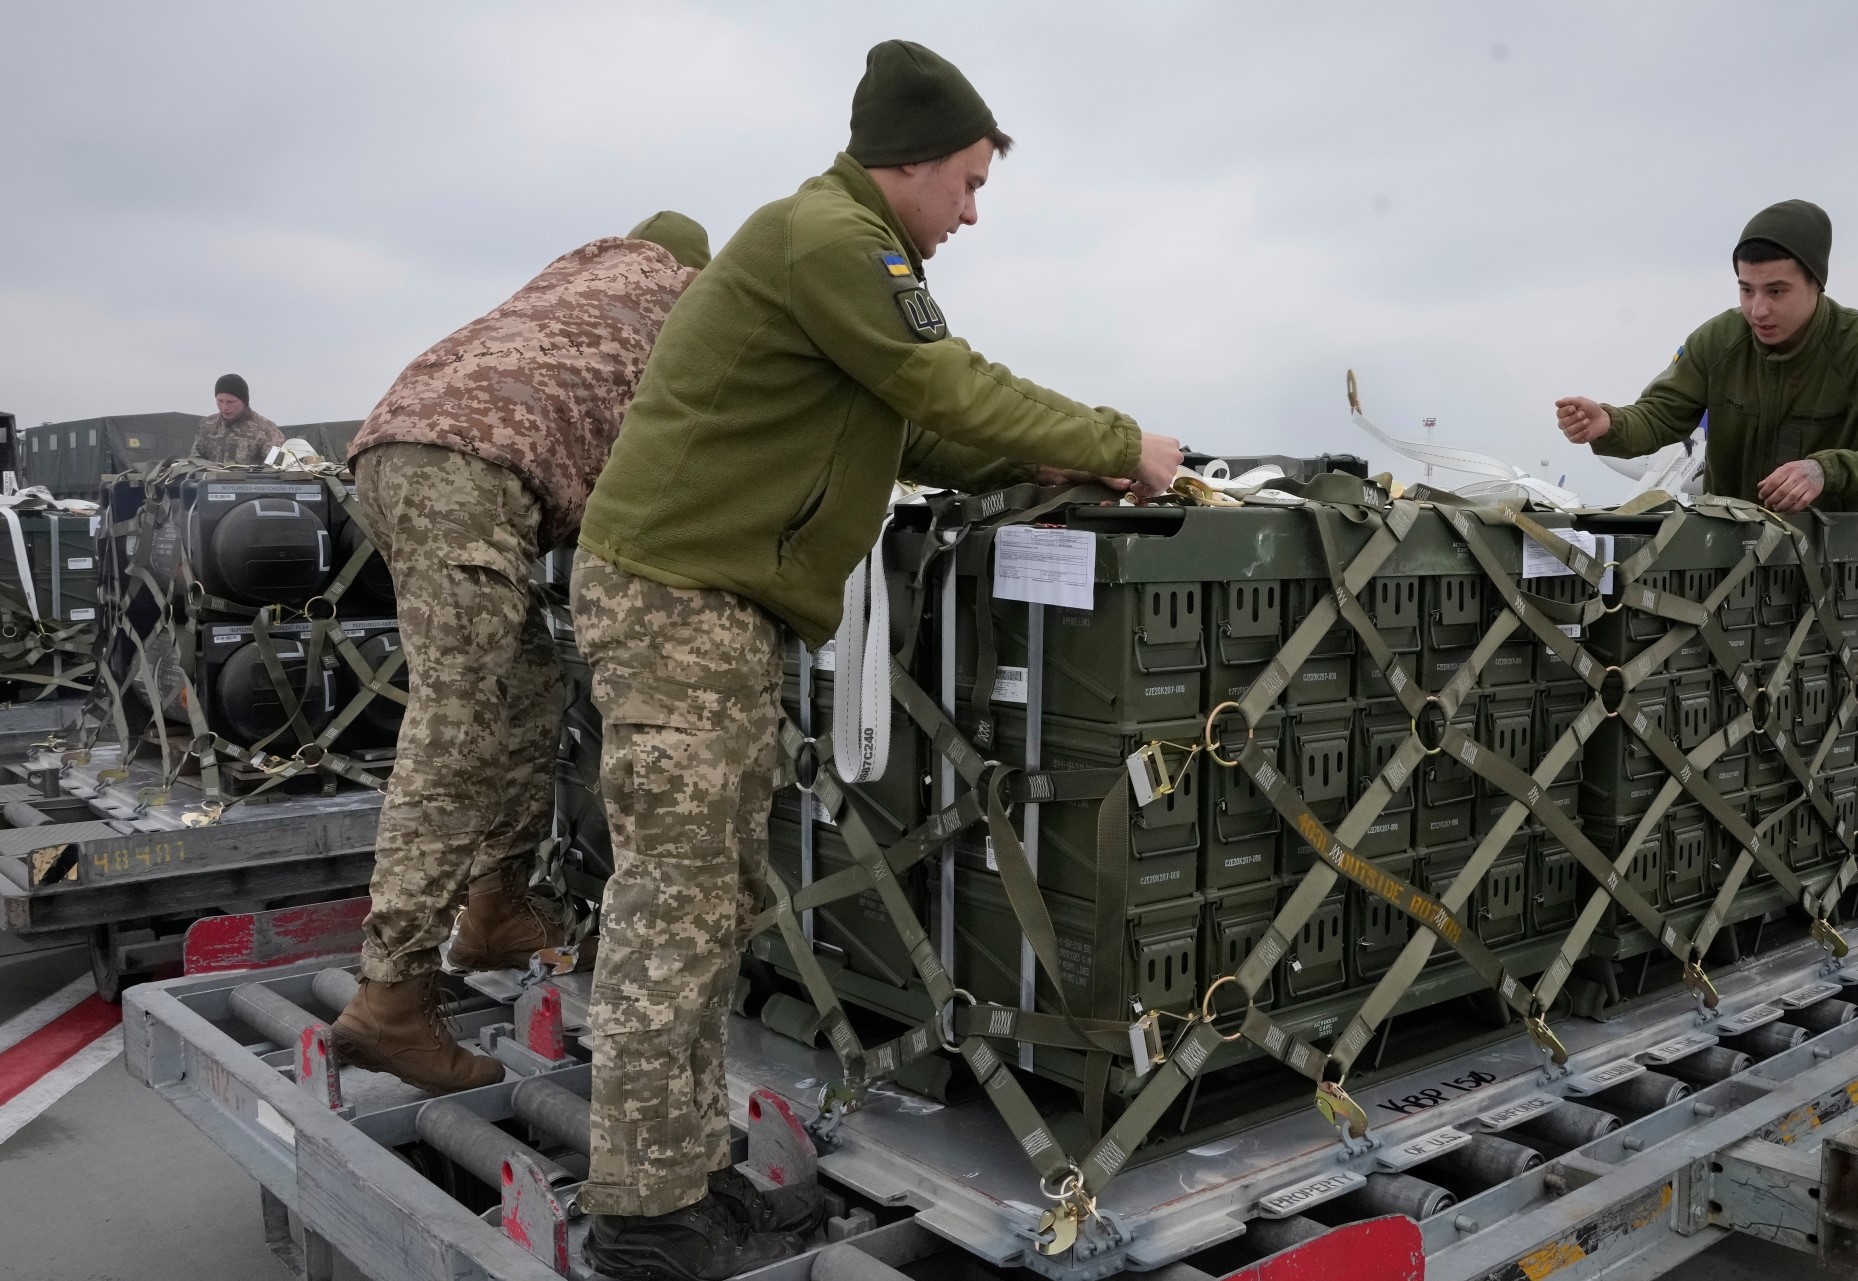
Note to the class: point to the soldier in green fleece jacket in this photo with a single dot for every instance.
(803, 373)
(1778, 378)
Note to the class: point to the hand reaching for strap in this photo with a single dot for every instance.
(1792, 487)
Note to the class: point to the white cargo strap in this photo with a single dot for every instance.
(1503, 482)
(34, 498)
(861, 704)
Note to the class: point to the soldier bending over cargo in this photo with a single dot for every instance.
(1778, 378)
(806, 370)
(478, 460)
(233, 433)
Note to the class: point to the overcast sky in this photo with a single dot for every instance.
(1214, 210)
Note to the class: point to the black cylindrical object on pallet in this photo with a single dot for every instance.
(1482, 1163)
(1387, 1194)
(477, 1145)
(1707, 1067)
(1268, 1236)
(556, 1111)
(1823, 1016)
(1571, 1125)
(1768, 1040)
(1644, 1094)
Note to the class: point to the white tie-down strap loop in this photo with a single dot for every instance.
(861, 698)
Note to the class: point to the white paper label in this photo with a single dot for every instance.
(1010, 685)
(84, 615)
(1046, 566)
(993, 864)
(81, 562)
(96, 523)
(11, 481)
(1602, 1077)
(1294, 1199)
(826, 658)
(273, 1120)
(1517, 1112)
(1426, 1145)
(1539, 562)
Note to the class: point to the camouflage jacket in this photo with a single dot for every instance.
(246, 439)
(540, 384)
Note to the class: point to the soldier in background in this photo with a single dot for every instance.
(234, 434)
(805, 371)
(478, 460)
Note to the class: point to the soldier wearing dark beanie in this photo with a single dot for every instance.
(913, 105)
(234, 434)
(1773, 379)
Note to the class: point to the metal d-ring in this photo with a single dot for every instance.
(1621, 589)
(1212, 750)
(1072, 1185)
(945, 1020)
(1612, 669)
(1206, 1008)
(1435, 701)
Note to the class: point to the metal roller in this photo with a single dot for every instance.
(1571, 1125)
(1268, 1236)
(1387, 1194)
(1645, 1094)
(334, 988)
(556, 1111)
(279, 1021)
(1707, 1067)
(1768, 1040)
(1823, 1016)
(477, 1145)
(1484, 1162)
(20, 814)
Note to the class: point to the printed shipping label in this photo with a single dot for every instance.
(1046, 566)
(1010, 685)
(1539, 562)
(85, 615)
(81, 562)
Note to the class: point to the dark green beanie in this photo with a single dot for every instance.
(1798, 226)
(685, 237)
(233, 385)
(913, 105)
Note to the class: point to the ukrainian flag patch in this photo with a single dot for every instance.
(895, 264)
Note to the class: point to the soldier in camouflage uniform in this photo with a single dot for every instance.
(804, 372)
(478, 460)
(234, 434)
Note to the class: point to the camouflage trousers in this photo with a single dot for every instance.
(472, 782)
(688, 686)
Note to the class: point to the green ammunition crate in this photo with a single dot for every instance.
(1766, 765)
(1620, 775)
(1497, 910)
(1139, 654)
(1378, 929)
(1561, 589)
(1160, 949)
(1240, 829)
(1554, 886)
(1317, 740)
(1317, 961)
(1164, 835)
(857, 930)
(1235, 923)
(1692, 852)
(1380, 729)
(1645, 873)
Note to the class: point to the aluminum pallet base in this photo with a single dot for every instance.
(1651, 1190)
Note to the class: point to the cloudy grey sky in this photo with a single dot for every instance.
(1216, 208)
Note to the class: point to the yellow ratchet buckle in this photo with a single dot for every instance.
(1699, 982)
(1340, 1110)
(1549, 1043)
(1829, 938)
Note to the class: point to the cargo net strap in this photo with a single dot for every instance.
(1232, 741)
(31, 631)
(170, 647)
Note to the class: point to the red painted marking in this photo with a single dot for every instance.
(313, 1066)
(546, 1033)
(1386, 1249)
(512, 1215)
(52, 1044)
(215, 944)
(777, 1175)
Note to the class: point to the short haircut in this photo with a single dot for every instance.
(1758, 251)
(1001, 139)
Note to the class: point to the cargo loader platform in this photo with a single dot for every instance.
(1667, 1130)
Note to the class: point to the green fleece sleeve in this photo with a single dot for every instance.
(1667, 411)
(1841, 468)
(930, 460)
(849, 306)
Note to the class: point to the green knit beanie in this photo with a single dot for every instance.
(685, 237)
(1798, 226)
(913, 105)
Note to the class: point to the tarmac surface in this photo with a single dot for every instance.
(110, 1183)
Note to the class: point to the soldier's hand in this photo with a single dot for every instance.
(1050, 476)
(1792, 487)
(1154, 470)
(1581, 420)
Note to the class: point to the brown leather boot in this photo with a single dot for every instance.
(501, 927)
(396, 1028)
